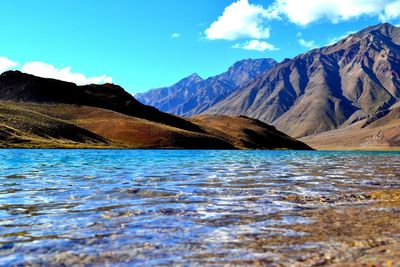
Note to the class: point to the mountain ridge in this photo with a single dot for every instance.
(193, 95)
(320, 90)
(40, 112)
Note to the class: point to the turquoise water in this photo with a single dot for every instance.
(137, 207)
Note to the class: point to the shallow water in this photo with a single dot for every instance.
(137, 207)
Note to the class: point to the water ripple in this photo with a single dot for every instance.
(163, 207)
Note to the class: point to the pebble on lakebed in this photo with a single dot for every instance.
(364, 233)
(392, 195)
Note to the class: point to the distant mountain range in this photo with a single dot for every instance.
(193, 95)
(39, 112)
(322, 90)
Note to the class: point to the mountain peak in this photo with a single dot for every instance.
(384, 29)
(254, 67)
(254, 62)
(190, 80)
(194, 76)
(383, 32)
(385, 26)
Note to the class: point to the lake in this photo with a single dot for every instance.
(159, 207)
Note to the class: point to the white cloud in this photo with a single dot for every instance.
(304, 12)
(46, 70)
(392, 11)
(307, 44)
(7, 64)
(256, 45)
(176, 35)
(246, 20)
(240, 20)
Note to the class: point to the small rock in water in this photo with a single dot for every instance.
(133, 190)
(6, 246)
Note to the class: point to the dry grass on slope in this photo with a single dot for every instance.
(246, 133)
(20, 127)
(125, 131)
(62, 125)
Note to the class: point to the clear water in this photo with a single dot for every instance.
(125, 207)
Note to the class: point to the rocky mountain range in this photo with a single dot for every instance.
(324, 89)
(193, 95)
(39, 112)
(327, 87)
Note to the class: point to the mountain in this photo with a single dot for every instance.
(326, 88)
(39, 112)
(193, 95)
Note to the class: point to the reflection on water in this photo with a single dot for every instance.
(169, 207)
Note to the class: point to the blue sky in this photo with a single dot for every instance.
(146, 44)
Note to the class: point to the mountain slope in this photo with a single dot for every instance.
(325, 88)
(38, 112)
(20, 127)
(125, 131)
(61, 125)
(377, 132)
(247, 133)
(194, 95)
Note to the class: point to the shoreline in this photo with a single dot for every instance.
(191, 149)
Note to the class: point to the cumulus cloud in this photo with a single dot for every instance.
(256, 45)
(304, 12)
(176, 35)
(46, 70)
(245, 20)
(240, 20)
(7, 64)
(392, 11)
(307, 44)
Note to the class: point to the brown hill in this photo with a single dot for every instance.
(126, 131)
(20, 127)
(247, 133)
(325, 88)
